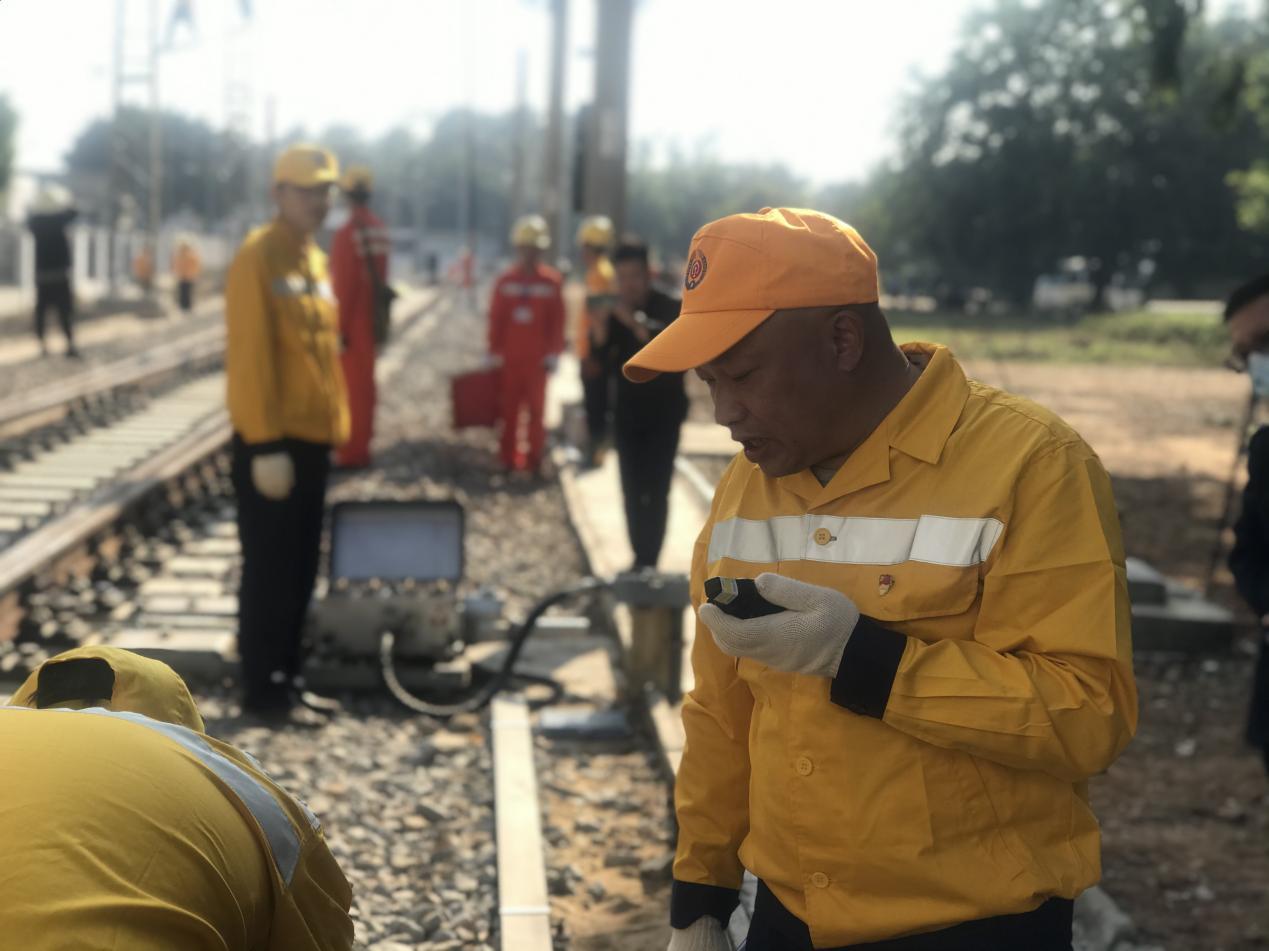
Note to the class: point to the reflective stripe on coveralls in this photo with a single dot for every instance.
(930, 539)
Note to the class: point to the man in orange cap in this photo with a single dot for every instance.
(126, 826)
(900, 749)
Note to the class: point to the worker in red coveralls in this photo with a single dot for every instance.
(361, 244)
(526, 336)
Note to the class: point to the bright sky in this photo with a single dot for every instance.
(810, 83)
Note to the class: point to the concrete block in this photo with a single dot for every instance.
(195, 655)
(1145, 584)
(1188, 625)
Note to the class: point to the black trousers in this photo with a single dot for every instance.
(1258, 714)
(185, 295)
(645, 455)
(596, 390)
(1047, 928)
(56, 295)
(281, 545)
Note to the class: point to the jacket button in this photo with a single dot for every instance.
(822, 536)
(804, 766)
(819, 880)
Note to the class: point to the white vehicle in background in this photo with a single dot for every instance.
(1069, 290)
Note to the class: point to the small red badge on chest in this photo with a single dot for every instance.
(884, 584)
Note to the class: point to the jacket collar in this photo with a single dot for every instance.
(919, 426)
(924, 419)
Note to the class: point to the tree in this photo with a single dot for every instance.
(1252, 183)
(1049, 137)
(668, 203)
(205, 172)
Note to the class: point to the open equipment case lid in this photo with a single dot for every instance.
(388, 540)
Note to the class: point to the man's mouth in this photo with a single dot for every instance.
(752, 446)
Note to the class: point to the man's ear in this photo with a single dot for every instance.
(848, 340)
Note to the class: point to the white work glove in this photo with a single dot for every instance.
(806, 638)
(273, 474)
(551, 361)
(704, 934)
(492, 361)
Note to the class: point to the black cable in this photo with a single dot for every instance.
(501, 677)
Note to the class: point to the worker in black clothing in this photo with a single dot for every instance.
(646, 417)
(50, 216)
(1247, 317)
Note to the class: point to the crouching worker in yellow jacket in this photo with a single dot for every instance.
(900, 753)
(125, 826)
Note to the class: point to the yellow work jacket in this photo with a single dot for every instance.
(601, 278)
(125, 833)
(282, 346)
(941, 776)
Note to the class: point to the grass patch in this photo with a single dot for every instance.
(1134, 338)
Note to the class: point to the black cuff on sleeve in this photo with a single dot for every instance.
(689, 901)
(869, 663)
(264, 448)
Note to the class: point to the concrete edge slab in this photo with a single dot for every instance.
(524, 911)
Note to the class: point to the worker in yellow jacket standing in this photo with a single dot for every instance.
(126, 826)
(595, 237)
(900, 751)
(289, 408)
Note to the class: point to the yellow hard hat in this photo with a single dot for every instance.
(595, 231)
(357, 178)
(530, 231)
(306, 166)
(113, 678)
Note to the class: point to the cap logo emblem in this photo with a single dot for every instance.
(696, 268)
(884, 584)
(319, 159)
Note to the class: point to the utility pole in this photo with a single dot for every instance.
(605, 174)
(134, 68)
(118, 219)
(554, 208)
(519, 134)
(156, 144)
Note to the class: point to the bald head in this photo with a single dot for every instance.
(809, 385)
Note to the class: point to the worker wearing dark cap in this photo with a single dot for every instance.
(646, 417)
(289, 409)
(125, 826)
(1247, 318)
(900, 751)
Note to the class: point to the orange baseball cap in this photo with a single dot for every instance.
(743, 268)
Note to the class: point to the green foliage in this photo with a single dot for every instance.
(1136, 338)
(1252, 187)
(1049, 136)
(8, 145)
(667, 204)
(204, 171)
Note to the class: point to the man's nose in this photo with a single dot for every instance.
(728, 411)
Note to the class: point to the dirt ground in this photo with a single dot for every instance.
(1185, 811)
